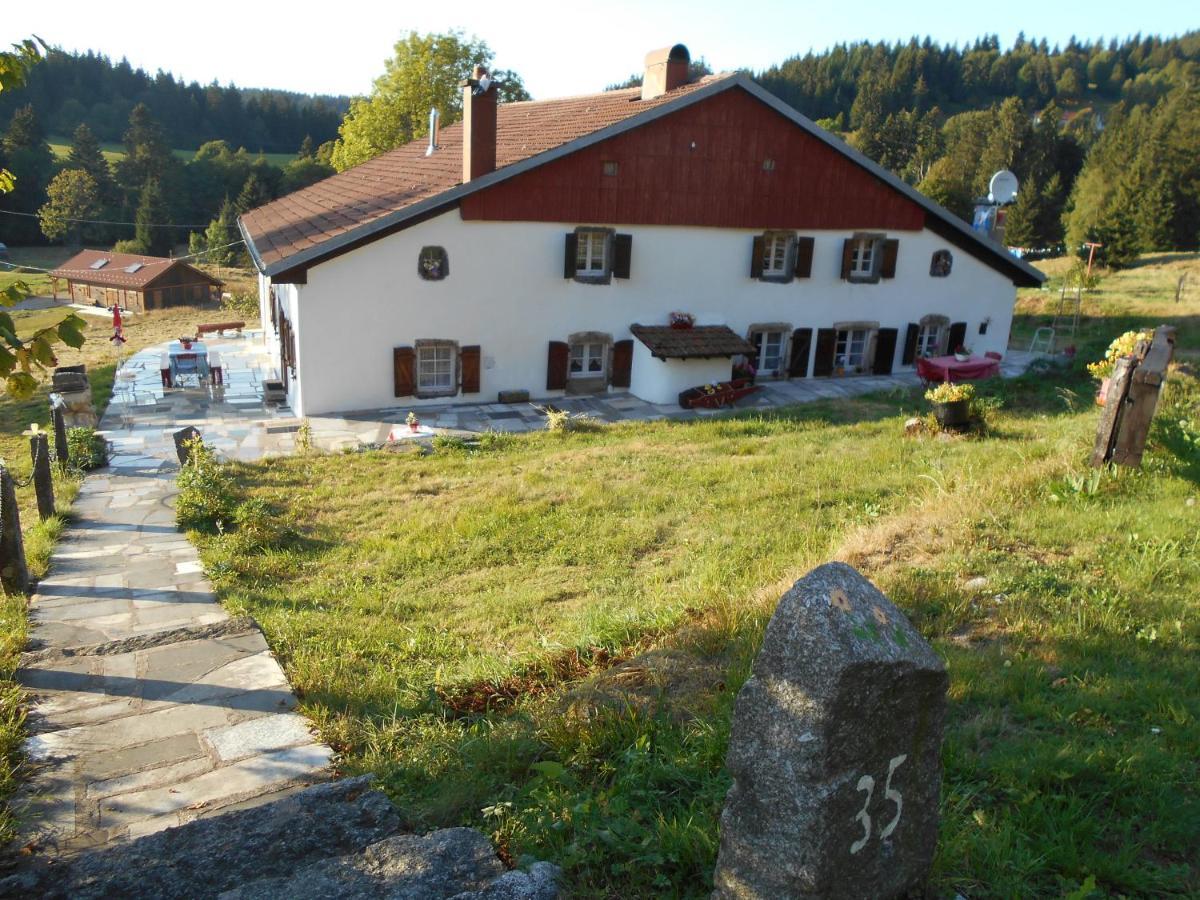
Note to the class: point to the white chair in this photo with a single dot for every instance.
(1043, 340)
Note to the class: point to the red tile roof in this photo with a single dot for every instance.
(404, 176)
(699, 341)
(113, 273)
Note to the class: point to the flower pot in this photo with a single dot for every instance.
(962, 357)
(414, 426)
(1102, 394)
(955, 415)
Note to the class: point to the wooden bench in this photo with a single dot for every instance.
(218, 328)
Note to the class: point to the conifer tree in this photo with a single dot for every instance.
(254, 194)
(152, 213)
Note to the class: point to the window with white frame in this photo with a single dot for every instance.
(435, 367)
(587, 360)
(775, 254)
(929, 339)
(851, 350)
(768, 345)
(863, 257)
(590, 252)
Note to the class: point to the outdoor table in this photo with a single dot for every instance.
(949, 368)
(176, 350)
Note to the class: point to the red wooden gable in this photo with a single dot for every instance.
(728, 161)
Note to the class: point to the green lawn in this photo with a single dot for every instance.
(543, 637)
(36, 258)
(114, 152)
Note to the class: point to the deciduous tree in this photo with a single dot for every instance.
(72, 197)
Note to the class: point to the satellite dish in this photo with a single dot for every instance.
(1003, 187)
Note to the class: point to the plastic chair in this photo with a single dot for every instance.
(187, 364)
(1043, 338)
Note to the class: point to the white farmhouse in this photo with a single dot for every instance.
(542, 247)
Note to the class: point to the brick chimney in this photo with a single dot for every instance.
(666, 69)
(479, 125)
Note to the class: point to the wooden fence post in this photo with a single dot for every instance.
(1114, 407)
(59, 421)
(1132, 399)
(13, 573)
(43, 479)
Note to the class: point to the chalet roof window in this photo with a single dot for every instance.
(611, 167)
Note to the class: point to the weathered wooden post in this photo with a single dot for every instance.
(43, 479)
(1132, 400)
(835, 750)
(59, 420)
(13, 573)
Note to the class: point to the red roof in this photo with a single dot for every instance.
(123, 270)
(404, 176)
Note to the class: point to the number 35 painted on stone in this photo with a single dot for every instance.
(867, 784)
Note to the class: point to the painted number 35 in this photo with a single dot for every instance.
(867, 785)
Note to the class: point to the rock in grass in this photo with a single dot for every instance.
(835, 750)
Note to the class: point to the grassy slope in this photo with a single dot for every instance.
(15, 417)
(39, 258)
(114, 153)
(422, 607)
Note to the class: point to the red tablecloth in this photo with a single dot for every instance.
(947, 368)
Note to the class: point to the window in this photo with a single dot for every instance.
(435, 368)
(587, 360)
(929, 340)
(941, 263)
(611, 168)
(433, 264)
(850, 353)
(775, 255)
(590, 247)
(768, 359)
(863, 257)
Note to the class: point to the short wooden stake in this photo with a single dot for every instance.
(59, 420)
(43, 479)
(14, 574)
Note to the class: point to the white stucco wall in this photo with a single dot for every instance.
(661, 381)
(506, 293)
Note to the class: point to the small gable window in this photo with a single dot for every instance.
(433, 264)
(940, 264)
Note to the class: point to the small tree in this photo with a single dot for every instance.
(151, 215)
(221, 232)
(254, 194)
(71, 197)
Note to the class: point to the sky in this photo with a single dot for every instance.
(559, 48)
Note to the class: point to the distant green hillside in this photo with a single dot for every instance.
(114, 152)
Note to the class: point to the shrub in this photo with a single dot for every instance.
(205, 498)
(86, 449)
(562, 420)
(946, 392)
(450, 442)
(242, 304)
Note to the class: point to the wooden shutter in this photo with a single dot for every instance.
(804, 256)
(910, 344)
(891, 249)
(801, 345)
(556, 366)
(569, 252)
(958, 336)
(622, 247)
(757, 249)
(847, 259)
(622, 364)
(468, 359)
(885, 350)
(402, 370)
(826, 349)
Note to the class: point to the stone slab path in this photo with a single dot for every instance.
(151, 705)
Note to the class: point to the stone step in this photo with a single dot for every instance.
(338, 839)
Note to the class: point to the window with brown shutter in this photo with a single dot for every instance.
(468, 360)
(891, 249)
(804, 257)
(847, 258)
(776, 256)
(588, 255)
(402, 371)
(885, 351)
(570, 250)
(622, 364)
(556, 366)
(801, 348)
(910, 344)
(757, 249)
(622, 255)
(826, 351)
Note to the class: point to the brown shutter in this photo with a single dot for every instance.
(890, 250)
(622, 363)
(402, 370)
(804, 256)
(757, 249)
(885, 351)
(958, 336)
(801, 345)
(826, 350)
(910, 344)
(469, 361)
(569, 252)
(556, 366)
(622, 255)
(847, 258)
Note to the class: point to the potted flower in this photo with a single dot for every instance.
(951, 404)
(1121, 346)
(186, 342)
(413, 422)
(962, 353)
(744, 370)
(682, 320)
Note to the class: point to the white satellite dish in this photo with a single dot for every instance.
(1003, 187)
